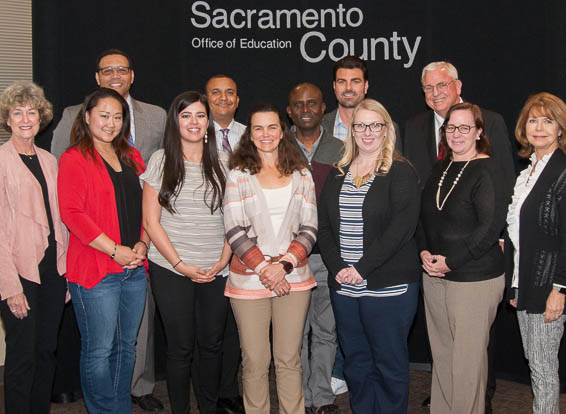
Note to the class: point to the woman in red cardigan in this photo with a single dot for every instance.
(100, 200)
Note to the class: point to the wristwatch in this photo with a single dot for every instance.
(560, 289)
(287, 266)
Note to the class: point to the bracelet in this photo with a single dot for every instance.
(180, 260)
(146, 245)
(113, 255)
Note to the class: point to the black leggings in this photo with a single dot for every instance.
(191, 309)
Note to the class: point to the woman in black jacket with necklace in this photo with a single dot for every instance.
(463, 213)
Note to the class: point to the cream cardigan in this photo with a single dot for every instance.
(251, 237)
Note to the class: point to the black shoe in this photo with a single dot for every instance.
(233, 405)
(148, 403)
(426, 402)
(65, 397)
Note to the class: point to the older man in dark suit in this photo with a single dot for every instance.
(114, 70)
(442, 89)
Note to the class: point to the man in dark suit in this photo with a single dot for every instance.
(114, 70)
(442, 89)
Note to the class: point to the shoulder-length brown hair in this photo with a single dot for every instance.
(246, 156)
(483, 146)
(82, 138)
(541, 104)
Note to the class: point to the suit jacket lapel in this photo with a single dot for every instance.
(140, 123)
(431, 139)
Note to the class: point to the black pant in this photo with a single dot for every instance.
(191, 309)
(31, 344)
(231, 357)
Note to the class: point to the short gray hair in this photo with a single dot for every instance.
(450, 68)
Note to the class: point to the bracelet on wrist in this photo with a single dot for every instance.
(180, 260)
(146, 245)
(113, 255)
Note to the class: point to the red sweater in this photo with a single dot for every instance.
(88, 208)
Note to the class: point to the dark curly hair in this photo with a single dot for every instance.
(246, 156)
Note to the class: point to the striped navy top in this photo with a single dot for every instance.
(352, 237)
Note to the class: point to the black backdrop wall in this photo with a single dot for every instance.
(504, 50)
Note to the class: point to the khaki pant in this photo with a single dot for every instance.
(459, 316)
(287, 314)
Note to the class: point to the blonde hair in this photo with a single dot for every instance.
(541, 104)
(387, 154)
(22, 93)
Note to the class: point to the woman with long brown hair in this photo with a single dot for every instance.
(182, 205)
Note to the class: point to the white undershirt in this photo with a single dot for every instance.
(523, 186)
(277, 200)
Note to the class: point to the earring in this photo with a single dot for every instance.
(206, 137)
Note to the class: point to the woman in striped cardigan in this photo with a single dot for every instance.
(270, 220)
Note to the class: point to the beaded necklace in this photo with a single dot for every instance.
(439, 205)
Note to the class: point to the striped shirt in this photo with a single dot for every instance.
(352, 237)
(196, 234)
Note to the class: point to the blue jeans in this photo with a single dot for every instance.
(373, 335)
(109, 317)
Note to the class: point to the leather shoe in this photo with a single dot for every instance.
(426, 402)
(66, 397)
(148, 403)
(233, 405)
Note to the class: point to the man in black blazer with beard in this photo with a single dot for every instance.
(442, 89)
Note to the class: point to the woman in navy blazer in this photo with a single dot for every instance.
(368, 213)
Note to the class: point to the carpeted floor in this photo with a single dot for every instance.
(510, 398)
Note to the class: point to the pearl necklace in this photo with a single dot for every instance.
(439, 205)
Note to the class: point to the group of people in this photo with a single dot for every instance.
(306, 245)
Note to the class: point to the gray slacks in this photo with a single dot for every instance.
(541, 342)
(143, 378)
(317, 367)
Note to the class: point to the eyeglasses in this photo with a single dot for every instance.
(440, 87)
(374, 127)
(109, 70)
(462, 129)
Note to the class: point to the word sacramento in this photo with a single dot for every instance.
(274, 19)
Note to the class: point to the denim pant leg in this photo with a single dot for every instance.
(108, 316)
(132, 304)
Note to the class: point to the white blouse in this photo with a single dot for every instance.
(523, 186)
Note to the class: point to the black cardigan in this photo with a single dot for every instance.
(467, 230)
(542, 241)
(390, 213)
